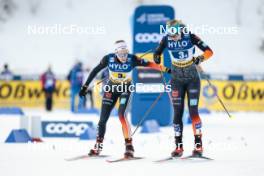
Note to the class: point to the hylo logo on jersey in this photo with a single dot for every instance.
(118, 66)
(177, 44)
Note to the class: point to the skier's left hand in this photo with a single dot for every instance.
(156, 58)
(83, 91)
(198, 59)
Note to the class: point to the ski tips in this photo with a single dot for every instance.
(124, 159)
(190, 157)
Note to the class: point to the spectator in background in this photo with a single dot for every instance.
(75, 77)
(262, 43)
(7, 8)
(48, 82)
(6, 74)
(89, 91)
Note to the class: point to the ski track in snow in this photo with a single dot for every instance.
(234, 144)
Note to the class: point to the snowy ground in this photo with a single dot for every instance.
(235, 144)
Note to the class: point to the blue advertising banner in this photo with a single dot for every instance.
(64, 128)
(147, 23)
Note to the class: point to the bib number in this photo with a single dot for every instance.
(180, 54)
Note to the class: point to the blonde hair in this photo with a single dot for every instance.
(174, 22)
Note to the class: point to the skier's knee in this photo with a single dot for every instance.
(193, 112)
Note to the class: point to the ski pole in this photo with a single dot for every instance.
(165, 84)
(99, 82)
(147, 52)
(147, 112)
(212, 86)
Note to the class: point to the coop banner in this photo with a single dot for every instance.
(236, 95)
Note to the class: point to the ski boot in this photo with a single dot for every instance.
(179, 147)
(129, 153)
(98, 147)
(198, 146)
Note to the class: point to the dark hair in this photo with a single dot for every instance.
(119, 41)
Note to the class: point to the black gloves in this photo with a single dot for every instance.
(168, 70)
(83, 91)
(156, 58)
(197, 60)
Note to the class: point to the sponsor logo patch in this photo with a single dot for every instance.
(175, 93)
(177, 128)
(193, 90)
(193, 102)
(123, 101)
(108, 95)
(198, 126)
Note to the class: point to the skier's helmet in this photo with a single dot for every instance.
(121, 50)
(175, 28)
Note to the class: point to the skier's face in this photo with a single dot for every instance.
(122, 55)
(176, 37)
(174, 31)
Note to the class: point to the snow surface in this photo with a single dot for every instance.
(236, 145)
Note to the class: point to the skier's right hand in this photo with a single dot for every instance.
(168, 70)
(156, 58)
(83, 91)
(199, 59)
